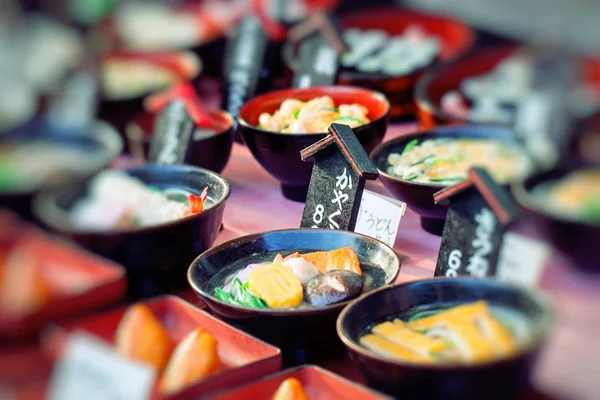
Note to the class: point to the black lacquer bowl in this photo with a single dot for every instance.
(98, 146)
(155, 257)
(303, 334)
(419, 196)
(210, 148)
(279, 153)
(578, 240)
(500, 379)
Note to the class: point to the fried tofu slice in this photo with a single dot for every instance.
(290, 389)
(387, 348)
(342, 258)
(140, 336)
(399, 333)
(194, 358)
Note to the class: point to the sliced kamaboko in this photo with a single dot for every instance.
(386, 348)
(399, 333)
(302, 269)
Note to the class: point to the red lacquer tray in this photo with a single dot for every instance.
(244, 357)
(317, 382)
(77, 281)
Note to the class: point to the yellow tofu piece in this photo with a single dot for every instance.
(276, 285)
(399, 333)
(384, 347)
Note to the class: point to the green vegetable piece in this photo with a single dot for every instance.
(591, 210)
(423, 160)
(259, 126)
(410, 145)
(329, 109)
(423, 314)
(295, 114)
(349, 118)
(252, 300)
(411, 177)
(450, 178)
(154, 189)
(223, 295)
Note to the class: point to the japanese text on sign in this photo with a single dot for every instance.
(343, 181)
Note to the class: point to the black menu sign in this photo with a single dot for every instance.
(245, 53)
(172, 136)
(479, 211)
(319, 57)
(337, 181)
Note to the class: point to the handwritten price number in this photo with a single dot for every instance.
(318, 215)
(454, 261)
(478, 264)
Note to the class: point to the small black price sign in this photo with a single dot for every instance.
(479, 211)
(172, 135)
(244, 58)
(319, 58)
(337, 181)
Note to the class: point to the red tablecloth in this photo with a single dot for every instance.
(570, 365)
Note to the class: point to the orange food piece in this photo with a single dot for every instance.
(140, 336)
(290, 389)
(194, 358)
(23, 289)
(342, 258)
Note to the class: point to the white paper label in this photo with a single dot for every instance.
(379, 217)
(91, 370)
(521, 259)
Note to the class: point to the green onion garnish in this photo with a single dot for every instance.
(329, 109)
(451, 178)
(259, 126)
(411, 177)
(423, 314)
(422, 160)
(348, 118)
(409, 146)
(295, 114)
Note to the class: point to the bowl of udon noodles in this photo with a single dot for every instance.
(565, 203)
(153, 219)
(288, 286)
(415, 166)
(277, 125)
(447, 338)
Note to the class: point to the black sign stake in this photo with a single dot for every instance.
(478, 214)
(319, 58)
(337, 181)
(172, 135)
(244, 60)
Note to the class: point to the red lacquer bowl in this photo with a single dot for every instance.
(433, 85)
(317, 382)
(243, 357)
(210, 151)
(118, 110)
(77, 281)
(279, 153)
(456, 38)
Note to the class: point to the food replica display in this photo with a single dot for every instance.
(446, 161)
(315, 279)
(117, 200)
(313, 116)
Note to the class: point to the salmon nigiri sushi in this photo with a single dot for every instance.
(140, 336)
(194, 358)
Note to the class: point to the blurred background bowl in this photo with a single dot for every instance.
(211, 146)
(302, 334)
(279, 153)
(500, 379)
(456, 38)
(419, 196)
(119, 107)
(98, 146)
(578, 240)
(155, 257)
